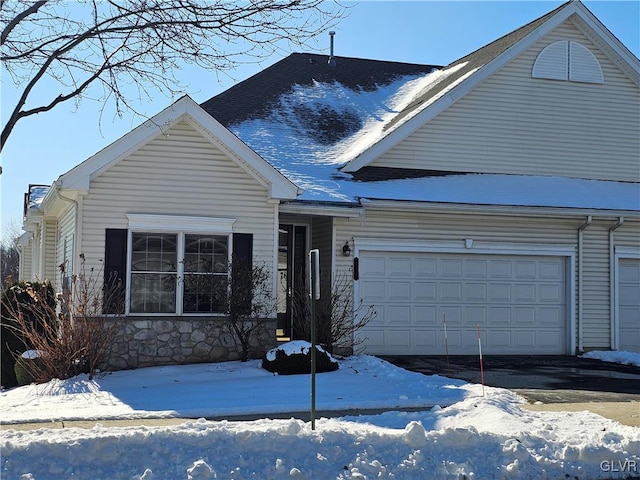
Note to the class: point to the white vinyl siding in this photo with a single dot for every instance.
(514, 124)
(26, 261)
(178, 173)
(64, 250)
(596, 326)
(50, 271)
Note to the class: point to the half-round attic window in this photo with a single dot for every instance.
(569, 61)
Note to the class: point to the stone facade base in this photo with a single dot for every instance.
(146, 342)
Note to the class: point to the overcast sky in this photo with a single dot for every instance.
(45, 146)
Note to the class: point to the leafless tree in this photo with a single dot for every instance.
(140, 44)
(9, 257)
(337, 318)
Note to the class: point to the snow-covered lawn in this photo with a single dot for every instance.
(459, 434)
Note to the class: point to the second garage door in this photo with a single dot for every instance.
(629, 304)
(518, 301)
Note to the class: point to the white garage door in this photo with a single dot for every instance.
(629, 304)
(518, 301)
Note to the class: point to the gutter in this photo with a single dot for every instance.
(581, 230)
(612, 286)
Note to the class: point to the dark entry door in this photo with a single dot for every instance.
(292, 254)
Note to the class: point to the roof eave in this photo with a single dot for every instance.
(495, 209)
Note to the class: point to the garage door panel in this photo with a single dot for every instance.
(451, 268)
(426, 267)
(475, 268)
(630, 294)
(399, 266)
(519, 311)
(525, 270)
(498, 339)
(524, 339)
(525, 293)
(450, 292)
(551, 270)
(499, 269)
(549, 340)
(524, 316)
(399, 290)
(425, 291)
(425, 315)
(499, 292)
(398, 315)
(551, 293)
(425, 339)
(499, 316)
(373, 292)
(399, 338)
(475, 292)
(475, 315)
(550, 317)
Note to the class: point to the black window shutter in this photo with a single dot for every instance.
(115, 270)
(242, 272)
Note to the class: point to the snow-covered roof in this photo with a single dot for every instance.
(35, 195)
(291, 140)
(321, 126)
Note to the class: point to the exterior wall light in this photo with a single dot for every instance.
(346, 250)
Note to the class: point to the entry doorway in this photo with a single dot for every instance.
(292, 269)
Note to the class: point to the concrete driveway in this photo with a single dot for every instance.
(547, 382)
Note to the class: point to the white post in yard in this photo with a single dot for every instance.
(481, 365)
(314, 294)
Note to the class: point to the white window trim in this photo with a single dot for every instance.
(179, 225)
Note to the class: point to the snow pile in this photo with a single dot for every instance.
(292, 348)
(625, 358)
(490, 437)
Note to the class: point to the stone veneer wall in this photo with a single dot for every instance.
(145, 342)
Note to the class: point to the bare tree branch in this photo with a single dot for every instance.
(89, 43)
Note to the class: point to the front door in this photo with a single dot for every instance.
(292, 255)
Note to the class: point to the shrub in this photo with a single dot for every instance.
(19, 299)
(28, 368)
(72, 339)
(293, 358)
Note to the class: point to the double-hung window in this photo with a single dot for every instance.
(178, 264)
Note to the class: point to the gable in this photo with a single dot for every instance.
(542, 113)
(458, 79)
(181, 166)
(185, 109)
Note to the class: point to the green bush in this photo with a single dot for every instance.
(16, 298)
(287, 363)
(28, 370)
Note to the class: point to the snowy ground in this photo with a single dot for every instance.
(459, 434)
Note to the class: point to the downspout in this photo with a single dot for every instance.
(581, 230)
(612, 285)
(59, 195)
